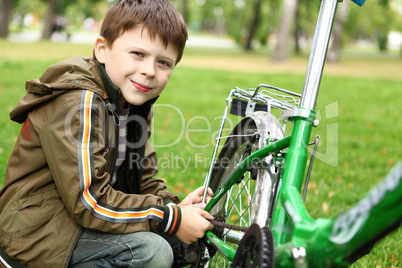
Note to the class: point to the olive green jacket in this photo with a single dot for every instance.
(58, 177)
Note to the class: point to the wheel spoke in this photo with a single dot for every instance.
(239, 201)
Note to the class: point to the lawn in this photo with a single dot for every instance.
(358, 107)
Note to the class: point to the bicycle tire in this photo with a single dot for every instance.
(242, 203)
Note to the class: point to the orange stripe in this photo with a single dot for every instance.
(87, 174)
(87, 117)
(86, 169)
(175, 220)
(122, 214)
(86, 135)
(115, 214)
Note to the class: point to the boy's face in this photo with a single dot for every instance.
(138, 65)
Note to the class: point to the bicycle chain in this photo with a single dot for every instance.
(221, 225)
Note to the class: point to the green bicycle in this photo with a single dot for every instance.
(260, 216)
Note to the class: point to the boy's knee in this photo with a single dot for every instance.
(166, 252)
(159, 252)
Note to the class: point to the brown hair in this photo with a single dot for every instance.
(158, 16)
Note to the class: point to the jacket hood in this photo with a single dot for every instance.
(70, 74)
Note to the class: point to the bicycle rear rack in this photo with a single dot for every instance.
(245, 101)
(266, 97)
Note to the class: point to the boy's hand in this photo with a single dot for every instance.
(194, 223)
(194, 219)
(195, 197)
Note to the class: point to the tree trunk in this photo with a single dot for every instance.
(49, 22)
(6, 8)
(297, 28)
(342, 15)
(254, 24)
(382, 40)
(185, 12)
(288, 12)
(383, 25)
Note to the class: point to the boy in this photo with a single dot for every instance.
(78, 189)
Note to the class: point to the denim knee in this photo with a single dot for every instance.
(156, 253)
(142, 249)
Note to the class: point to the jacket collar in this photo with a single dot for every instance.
(112, 90)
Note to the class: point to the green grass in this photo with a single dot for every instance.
(360, 124)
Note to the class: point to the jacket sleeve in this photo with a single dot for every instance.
(74, 145)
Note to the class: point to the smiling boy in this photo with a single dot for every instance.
(140, 65)
(80, 191)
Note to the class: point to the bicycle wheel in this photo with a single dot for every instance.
(249, 201)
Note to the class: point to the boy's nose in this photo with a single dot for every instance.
(148, 68)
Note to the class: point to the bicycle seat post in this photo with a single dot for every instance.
(318, 53)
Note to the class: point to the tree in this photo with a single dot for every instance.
(298, 28)
(6, 8)
(305, 21)
(59, 7)
(288, 11)
(337, 32)
(254, 24)
(237, 14)
(185, 11)
(372, 22)
(49, 21)
(383, 25)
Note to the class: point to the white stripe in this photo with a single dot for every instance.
(86, 148)
(170, 219)
(5, 263)
(128, 211)
(89, 135)
(122, 132)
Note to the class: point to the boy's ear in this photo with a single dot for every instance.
(100, 49)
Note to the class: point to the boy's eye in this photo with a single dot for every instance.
(165, 63)
(136, 53)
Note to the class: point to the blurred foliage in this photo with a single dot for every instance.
(373, 22)
(73, 10)
(233, 18)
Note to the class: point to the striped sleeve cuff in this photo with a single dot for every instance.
(171, 219)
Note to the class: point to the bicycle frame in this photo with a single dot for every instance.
(298, 237)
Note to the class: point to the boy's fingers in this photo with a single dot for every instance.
(206, 215)
(200, 205)
(210, 192)
(199, 190)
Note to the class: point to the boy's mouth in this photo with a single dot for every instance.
(140, 87)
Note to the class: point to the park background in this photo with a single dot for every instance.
(242, 43)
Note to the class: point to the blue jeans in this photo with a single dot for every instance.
(142, 249)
